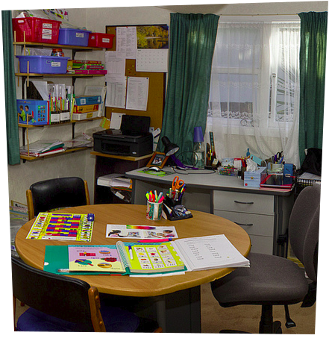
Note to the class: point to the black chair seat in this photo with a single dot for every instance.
(269, 280)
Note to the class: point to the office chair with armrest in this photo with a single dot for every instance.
(55, 193)
(61, 303)
(273, 280)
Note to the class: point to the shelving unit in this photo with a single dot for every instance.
(25, 127)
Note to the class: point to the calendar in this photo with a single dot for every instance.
(152, 60)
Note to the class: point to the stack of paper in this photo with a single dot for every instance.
(42, 147)
(209, 252)
(114, 180)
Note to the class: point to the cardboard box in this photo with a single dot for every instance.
(86, 108)
(82, 116)
(32, 112)
(253, 179)
(87, 100)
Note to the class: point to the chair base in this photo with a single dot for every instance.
(266, 325)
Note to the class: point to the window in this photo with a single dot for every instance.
(251, 59)
(254, 89)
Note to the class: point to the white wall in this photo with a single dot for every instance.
(82, 163)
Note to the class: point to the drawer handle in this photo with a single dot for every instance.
(244, 224)
(244, 202)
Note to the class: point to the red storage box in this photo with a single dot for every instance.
(36, 29)
(101, 40)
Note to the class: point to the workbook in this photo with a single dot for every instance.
(149, 258)
(56, 261)
(94, 258)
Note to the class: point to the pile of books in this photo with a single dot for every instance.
(42, 148)
(86, 67)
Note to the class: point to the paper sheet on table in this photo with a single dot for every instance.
(137, 93)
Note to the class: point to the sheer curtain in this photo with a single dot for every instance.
(254, 90)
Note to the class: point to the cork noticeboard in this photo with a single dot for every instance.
(156, 97)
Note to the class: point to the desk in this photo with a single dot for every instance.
(176, 299)
(263, 213)
(108, 164)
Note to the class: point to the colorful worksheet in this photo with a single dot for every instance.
(94, 258)
(141, 231)
(61, 226)
(150, 258)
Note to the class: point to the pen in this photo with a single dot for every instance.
(159, 197)
(130, 252)
(155, 240)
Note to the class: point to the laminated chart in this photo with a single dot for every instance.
(61, 226)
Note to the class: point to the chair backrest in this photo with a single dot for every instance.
(62, 297)
(55, 193)
(304, 228)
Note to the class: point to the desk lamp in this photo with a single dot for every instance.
(170, 150)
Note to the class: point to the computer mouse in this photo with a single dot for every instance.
(155, 168)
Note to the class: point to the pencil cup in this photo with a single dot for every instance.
(153, 210)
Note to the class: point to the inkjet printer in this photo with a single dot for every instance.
(132, 139)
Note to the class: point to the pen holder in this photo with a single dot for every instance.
(154, 210)
(174, 210)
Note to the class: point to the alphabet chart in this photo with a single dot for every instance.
(61, 226)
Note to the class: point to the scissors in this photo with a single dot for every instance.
(177, 183)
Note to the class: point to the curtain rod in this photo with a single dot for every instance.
(258, 14)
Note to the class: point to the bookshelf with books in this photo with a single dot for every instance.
(25, 79)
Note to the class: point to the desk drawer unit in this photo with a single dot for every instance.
(259, 227)
(253, 212)
(243, 202)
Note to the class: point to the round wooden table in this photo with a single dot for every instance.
(32, 252)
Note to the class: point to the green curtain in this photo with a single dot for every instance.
(312, 80)
(192, 40)
(13, 146)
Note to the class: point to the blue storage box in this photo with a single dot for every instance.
(73, 37)
(43, 64)
(253, 179)
(32, 112)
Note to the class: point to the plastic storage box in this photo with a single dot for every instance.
(73, 37)
(101, 40)
(43, 64)
(36, 30)
(32, 112)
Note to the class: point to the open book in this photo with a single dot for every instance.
(134, 258)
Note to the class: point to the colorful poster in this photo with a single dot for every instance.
(140, 231)
(61, 226)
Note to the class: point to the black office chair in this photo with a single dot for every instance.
(61, 303)
(273, 280)
(56, 193)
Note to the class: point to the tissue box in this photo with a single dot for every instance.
(253, 179)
